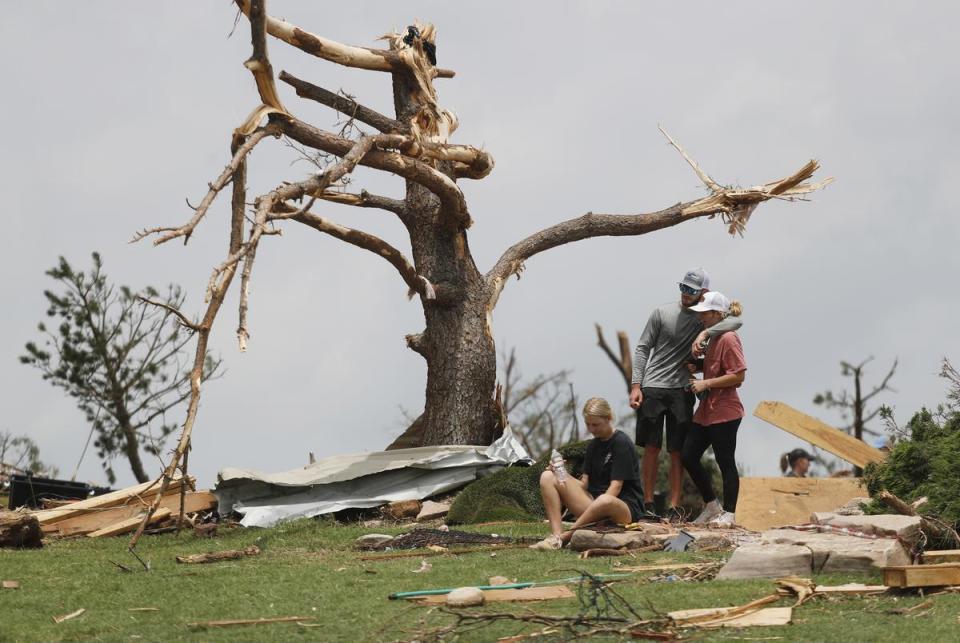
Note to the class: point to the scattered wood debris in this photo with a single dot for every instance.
(945, 556)
(217, 556)
(252, 621)
(922, 575)
(112, 513)
(143, 609)
(11, 584)
(67, 617)
(500, 595)
(810, 429)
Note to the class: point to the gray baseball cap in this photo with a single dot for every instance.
(696, 279)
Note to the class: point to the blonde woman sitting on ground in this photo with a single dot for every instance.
(609, 487)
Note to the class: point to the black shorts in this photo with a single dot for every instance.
(672, 407)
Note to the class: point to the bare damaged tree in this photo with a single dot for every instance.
(457, 299)
(542, 411)
(623, 362)
(853, 406)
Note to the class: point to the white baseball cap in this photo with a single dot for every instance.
(712, 300)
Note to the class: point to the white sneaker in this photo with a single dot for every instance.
(724, 519)
(710, 511)
(550, 542)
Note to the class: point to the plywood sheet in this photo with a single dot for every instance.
(766, 503)
(810, 429)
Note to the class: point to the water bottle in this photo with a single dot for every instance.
(556, 460)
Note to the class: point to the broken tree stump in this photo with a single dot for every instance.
(19, 530)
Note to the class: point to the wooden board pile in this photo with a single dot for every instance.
(120, 512)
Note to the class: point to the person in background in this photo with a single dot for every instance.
(609, 487)
(719, 413)
(659, 385)
(796, 464)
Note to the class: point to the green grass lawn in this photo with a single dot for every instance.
(308, 568)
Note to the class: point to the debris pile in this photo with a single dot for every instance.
(426, 537)
(122, 511)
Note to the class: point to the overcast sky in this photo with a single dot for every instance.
(117, 111)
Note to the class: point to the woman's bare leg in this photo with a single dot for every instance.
(556, 496)
(604, 506)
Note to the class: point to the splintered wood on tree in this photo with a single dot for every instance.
(810, 429)
(922, 575)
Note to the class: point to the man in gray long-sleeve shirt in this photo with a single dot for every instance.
(660, 377)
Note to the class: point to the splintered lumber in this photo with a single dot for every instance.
(18, 529)
(85, 523)
(810, 429)
(922, 575)
(217, 556)
(766, 503)
(728, 616)
(849, 588)
(252, 621)
(129, 524)
(67, 617)
(137, 493)
(499, 595)
(945, 556)
(10, 584)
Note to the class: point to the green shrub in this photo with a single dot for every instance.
(926, 462)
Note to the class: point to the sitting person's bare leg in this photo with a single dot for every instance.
(556, 496)
(604, 506)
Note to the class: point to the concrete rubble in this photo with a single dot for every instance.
(883, 542)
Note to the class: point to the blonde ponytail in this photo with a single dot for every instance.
(736, 309)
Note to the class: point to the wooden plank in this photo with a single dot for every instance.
(810, 429)
(945, 556)
(766, 503)
(217, 556)
(496, 595)
(112, 499)
(129, 524)
(922, 575)
(92, 521)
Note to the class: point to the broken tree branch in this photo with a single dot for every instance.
(375, 245)
(622, 363)
(364, 200)
(346, 55)
(452, 200)
(935, 529)
(214, 188)
(734, 204)
(345, 105)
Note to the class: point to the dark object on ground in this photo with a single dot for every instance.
(680, 542)
(19, 530)
(28, 491)
(424, 537)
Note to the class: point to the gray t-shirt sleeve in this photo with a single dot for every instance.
(725, 325)
(642, 352)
